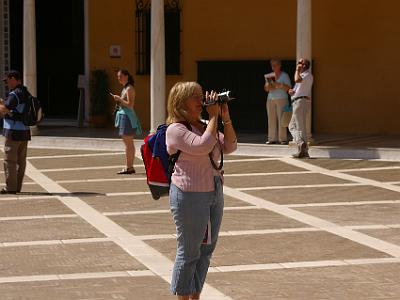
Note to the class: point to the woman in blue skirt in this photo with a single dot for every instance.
(126, 119)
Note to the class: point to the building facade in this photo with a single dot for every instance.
(354, 47)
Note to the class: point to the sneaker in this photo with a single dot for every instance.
(285, 143)
(271, 143)
(297, 155)
(301, 155)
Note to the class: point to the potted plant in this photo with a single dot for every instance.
(99, 99)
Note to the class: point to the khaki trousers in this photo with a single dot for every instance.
(274, 110)
(15, 164)
(298, 124)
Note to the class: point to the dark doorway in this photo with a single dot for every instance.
(60, 52)
(246, 80)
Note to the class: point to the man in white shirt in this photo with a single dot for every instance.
(301, 103)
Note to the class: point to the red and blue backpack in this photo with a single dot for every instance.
(158, 163)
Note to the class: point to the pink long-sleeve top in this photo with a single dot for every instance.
(193, 170)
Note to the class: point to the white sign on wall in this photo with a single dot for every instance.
(115, 51)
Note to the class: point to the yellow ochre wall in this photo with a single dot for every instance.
(355, 50)
(211, 30)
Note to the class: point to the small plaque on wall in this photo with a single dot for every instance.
(115, 51)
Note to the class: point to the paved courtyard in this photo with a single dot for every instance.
(313, 229)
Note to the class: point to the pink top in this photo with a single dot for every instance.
(193, 170)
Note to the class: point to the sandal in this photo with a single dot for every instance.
(127, 171)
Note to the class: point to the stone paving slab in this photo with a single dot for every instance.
(51, 152)
(14, 208)
(383, 175)
(260, 219)
(146, 224)
(64, 259)
(284, 180)
(107, 187)
(278, 248)
(141, 202)
(76, 162)
(326, 194)
(28, 190)
(231, 250)
(233, 220)
(138, 288)
(3, 179)
(391, 235)
(269, 166)
(338, 164)
(94, 174)
(126, 203)
(46, 229)
(379, 281)
(378, 214)
(235, 157)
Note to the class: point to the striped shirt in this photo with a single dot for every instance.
(193, 170)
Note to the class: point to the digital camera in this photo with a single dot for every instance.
(223, 97)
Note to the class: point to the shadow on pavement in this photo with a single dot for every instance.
(72, 194)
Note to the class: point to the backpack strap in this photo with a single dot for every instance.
(16, 96)
(16, 115)
(174, 157)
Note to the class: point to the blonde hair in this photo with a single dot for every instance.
(179, 93)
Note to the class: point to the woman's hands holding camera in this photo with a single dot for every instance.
(217, 109)
(212, 110)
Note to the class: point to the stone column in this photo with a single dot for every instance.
(29, 46)
(157, 65)
(304, 39)
(29, 51)
(87, 62)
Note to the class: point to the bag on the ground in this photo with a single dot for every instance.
(286, 116)
(158, 163)
(32, 113)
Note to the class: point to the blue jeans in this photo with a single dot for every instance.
(191, 212)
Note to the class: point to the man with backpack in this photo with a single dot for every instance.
(16, 133)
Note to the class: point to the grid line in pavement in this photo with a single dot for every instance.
(123, 238)
(94, 275)
(145, 254)
(324, 225)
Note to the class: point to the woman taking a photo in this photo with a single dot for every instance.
(196, 196)
(126, 119)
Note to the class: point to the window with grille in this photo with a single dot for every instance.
(172, 19)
